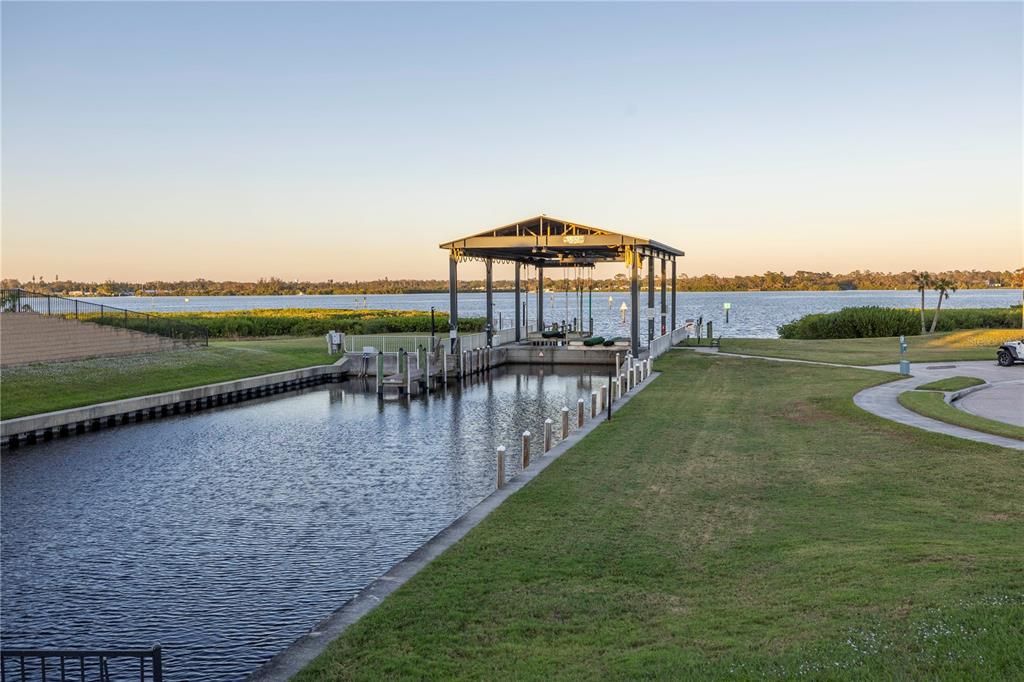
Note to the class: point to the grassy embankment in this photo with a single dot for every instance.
(46, 387)
(738, 519)
(931, 404)
(969, 344)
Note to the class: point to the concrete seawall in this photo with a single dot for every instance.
(33, 428)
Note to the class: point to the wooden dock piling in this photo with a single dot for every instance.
(501, 466)
(526, 449)
(581, 413)
(565, 423)
(548, 424)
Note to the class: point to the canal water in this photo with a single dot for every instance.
(752, 313)
(225, 535)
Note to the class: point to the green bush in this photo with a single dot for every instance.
(852, 323)
(874, 321)
(974, 318)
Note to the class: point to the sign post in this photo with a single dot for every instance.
(726, 307)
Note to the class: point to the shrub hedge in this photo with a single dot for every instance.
(310, 322)
(874, 321)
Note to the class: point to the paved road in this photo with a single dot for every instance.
(1007, 389)
(1004, 401)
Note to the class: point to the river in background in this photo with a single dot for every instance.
(225, 535)
(753, 313)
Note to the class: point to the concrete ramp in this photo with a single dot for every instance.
(29, 337)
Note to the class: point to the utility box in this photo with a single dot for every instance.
(905, 368)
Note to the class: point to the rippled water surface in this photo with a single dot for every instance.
(227, 534)
(753, 313)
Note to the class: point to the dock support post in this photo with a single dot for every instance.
(593, 404)
(426, 374)
(664, 302)
(380, 372)
(540, 298)
(604, 396)
(453, 300)
(634, 313)
(501, 466)
(650, 298)
(526, 449)
(518, 320)
(489, 298)
(581, 412)
(565, 423)
(547, 434)
(673, 294)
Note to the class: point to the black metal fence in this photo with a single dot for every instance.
(24, 301)
(29, 665)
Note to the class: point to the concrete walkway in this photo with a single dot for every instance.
(1005, 386)
(882, 400)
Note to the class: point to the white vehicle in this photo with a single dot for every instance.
(1010, 352)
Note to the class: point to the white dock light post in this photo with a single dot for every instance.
(593, 404)
(526, 449)
(565, 423)
(726, 307)
(501, 466)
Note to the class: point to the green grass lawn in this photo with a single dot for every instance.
(931, 404)
(972, 344)
(951, 384)
(32, 389)
(738, 519)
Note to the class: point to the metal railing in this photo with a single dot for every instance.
(52, 305)
(25, 665)
(391, 343)
(387, 343)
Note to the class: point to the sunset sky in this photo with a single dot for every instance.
(312, 140)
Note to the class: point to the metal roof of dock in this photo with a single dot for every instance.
(549, 242)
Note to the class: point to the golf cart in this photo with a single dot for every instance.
(1010, 352)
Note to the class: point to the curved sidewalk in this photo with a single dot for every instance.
(882, 400)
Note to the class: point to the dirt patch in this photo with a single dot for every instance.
(803, 412)
(999, 517)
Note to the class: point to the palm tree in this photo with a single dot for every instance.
(944, 287)
(922, 280)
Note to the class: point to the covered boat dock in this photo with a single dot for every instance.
(545, 243)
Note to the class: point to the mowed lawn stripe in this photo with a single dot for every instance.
(737, 518)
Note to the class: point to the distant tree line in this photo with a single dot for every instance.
(801, 280)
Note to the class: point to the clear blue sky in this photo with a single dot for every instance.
(315, 140)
